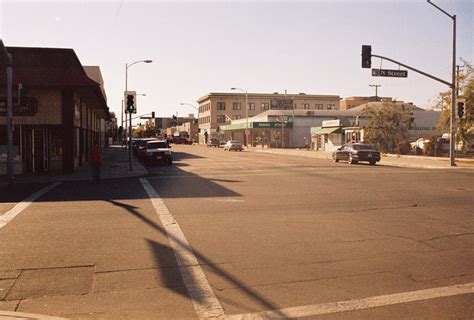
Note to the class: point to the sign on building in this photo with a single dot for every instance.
(281, 104)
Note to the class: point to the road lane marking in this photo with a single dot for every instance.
(17, 209)
(205, 302)
(360, 304)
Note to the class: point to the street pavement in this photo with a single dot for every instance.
(235, 234)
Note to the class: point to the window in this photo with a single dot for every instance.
(221, 106)
(236, 117)
(331, 107)
(220, 118)
(265, 106)
(319, 106)
(305, 106)
(236, 106)
(251, 106)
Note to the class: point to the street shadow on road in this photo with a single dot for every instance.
(189, 186)
(162, 252)
(178, 156)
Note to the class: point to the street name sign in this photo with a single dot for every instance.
(389, 73)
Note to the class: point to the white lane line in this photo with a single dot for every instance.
(359, 304)
(17, 209)
(205, 302)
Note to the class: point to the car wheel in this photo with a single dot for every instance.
(350, 160)
(373, 162)
(334, 157)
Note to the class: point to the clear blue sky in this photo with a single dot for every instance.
(262, 46)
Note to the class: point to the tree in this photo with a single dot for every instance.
(464, 129)
(387, 125)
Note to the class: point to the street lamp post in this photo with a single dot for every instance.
(246, 115)
(453, 89)
(130, 116)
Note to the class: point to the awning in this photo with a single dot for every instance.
(320, 130)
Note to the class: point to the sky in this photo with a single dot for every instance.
(261, 46)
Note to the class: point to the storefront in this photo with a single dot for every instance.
(57, 111)
(264, 134)
(327, 137)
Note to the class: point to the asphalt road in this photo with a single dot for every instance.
(270, 233)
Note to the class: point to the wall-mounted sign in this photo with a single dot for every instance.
(281, 104)
(28, 106)
(389, 73)
(331, 123)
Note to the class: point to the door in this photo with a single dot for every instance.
(38, 150)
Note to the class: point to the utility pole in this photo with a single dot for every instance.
(8, 59)
(376, 91)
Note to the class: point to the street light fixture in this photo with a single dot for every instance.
(246, 115)
(127, 66)
(453, 89)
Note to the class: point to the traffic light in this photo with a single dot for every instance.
(461, 110)
(366, 56)
(131, 103)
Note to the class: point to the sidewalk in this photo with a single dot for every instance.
(115, 165)
(387, 159)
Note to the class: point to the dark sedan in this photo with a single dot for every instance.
(355, 152)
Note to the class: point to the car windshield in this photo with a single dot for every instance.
(362, 147)
(157, 145)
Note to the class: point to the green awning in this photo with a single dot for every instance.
(320, 130)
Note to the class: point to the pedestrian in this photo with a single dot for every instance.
(96, 162)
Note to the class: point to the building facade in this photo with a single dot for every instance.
(58, 111)
(319, 129)
(217, 109)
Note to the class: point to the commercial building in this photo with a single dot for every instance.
(58, 110)
(318, 129)
(355, 101)
(218, 109)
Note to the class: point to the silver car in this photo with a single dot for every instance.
(233, 145)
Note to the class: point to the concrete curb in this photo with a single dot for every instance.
(388, 163)
(26, 316)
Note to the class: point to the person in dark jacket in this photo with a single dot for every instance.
(96, 162)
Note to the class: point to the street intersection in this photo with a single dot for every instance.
(244, 235)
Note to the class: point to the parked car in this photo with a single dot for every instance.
(355, 152)
(181, 140)
(222, 144)
(157, 151)
(233, 145)
(213, 142)
(139, 145)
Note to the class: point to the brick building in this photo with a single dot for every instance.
(217, 109)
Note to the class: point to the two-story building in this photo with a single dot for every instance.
(217, 109)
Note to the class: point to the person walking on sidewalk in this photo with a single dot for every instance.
(96, 162)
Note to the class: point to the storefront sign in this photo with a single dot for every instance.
(28, 106)
(281, 104)
(331, 123)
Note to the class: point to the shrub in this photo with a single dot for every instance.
(403, 147)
